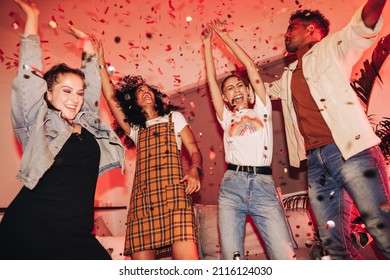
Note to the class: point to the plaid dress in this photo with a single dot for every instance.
(160, 212)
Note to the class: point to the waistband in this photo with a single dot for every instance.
(266, 170)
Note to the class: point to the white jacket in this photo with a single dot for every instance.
(327, 68)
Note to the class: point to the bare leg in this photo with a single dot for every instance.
(144, 255)
(185, 250)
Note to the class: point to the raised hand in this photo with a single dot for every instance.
(76, 32)
(32, 14)
(219, 26)
(207, 33)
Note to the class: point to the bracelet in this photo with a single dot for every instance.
(198, 168)
(102, 66)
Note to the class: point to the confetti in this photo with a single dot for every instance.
(171, 5)
(385, 207)
(212, 154)
(330, 224)
(52, 24)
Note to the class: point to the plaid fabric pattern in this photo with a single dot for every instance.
(160, 212)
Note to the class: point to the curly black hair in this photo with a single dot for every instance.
(125, 93)
(313, 16)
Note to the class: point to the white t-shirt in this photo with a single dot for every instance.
(179, 123)
(248, 135)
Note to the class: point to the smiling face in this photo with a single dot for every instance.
(145, 96)
(236, 93)
(67, 95)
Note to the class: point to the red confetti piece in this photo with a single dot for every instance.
(1, 52)
(53, 19)
(61, 9)
(172, 15)
(122, 56)
(11, 14)
(160, 71)
(102, 20)
(47, 58)
(106, 10)
(168, 48)
(177, 78)
(36, 70)
(70, 22)
(150, 20)
(171, 6)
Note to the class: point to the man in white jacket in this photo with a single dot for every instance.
(326, 124)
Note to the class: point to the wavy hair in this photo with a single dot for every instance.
(125, 94)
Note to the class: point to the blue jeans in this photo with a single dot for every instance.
(243, 194)
(335, 184)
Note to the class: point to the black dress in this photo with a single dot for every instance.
(55, 219)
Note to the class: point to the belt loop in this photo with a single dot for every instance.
(254, 170)
(237, 169)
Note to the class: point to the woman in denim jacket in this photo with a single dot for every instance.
(65, 145)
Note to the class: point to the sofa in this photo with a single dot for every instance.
(209, 246)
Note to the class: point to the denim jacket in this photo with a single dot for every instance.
(41, 130)
(327, 69)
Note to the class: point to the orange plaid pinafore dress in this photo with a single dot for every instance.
(160, 212)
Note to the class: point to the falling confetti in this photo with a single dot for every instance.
(385, 207)
(330, 224)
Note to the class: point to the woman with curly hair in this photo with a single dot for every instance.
(161, 216)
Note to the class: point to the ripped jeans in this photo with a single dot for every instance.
(335, 184)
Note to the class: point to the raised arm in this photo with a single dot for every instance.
(89, 45)
(372, 11)
(253, 74)
(109, 92)
(215, 91)
(28, 87)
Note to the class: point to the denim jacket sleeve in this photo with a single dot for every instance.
(93, 84)
(28, 88)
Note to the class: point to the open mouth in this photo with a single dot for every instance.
(146, 95)
(238, 99)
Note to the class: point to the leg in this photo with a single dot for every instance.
(368, 184)
(144, 255)
(268, 214)
(232, 212)
(185, 250)
(330, 203)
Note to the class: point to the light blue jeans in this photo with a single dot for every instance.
(335, 184)
(243, 194)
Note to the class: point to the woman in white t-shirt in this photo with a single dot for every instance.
(247, 187)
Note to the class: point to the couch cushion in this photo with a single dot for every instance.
(209, 244)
